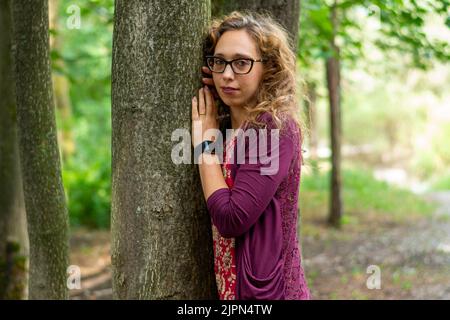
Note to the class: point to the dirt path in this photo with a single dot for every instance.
(90, 250)
(443, 199)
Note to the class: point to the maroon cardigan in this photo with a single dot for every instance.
(261, 211)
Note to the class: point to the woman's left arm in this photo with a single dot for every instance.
(211, 175)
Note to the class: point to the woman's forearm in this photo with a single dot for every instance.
(211, 174)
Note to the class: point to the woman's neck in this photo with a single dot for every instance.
(238, 116)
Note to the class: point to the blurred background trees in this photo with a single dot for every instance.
(83, 57)
(344, 35)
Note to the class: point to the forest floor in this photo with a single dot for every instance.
(90, 250)
(412, 254)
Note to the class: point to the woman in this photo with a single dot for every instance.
(253, 215)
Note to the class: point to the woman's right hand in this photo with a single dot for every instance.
(208, 80)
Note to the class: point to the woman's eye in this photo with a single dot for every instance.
(242, 63)
(218, 61)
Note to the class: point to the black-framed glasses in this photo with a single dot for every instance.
(239, 66)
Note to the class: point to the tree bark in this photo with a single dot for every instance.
(286, 12)
(13, 232)
(161, 230)
(334, 92)
(39, 156)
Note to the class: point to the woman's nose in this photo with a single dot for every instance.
(228, 72)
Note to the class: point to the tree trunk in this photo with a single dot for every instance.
(286, 12)
(161, 230)
(39, 156)
(13, 232)
(311, 115)
(61, 89)
(334, 92)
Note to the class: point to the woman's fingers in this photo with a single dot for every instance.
(206, 70)
(209, 102)
(208, 81)
(214, 109)
(194, 108)
(204, 105)
(201, 105)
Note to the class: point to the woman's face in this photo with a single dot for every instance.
(232, 45)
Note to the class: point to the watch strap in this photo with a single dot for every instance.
(207, 146)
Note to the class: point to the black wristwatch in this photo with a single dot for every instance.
(207, 146)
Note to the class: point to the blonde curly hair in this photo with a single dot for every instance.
(278, 90)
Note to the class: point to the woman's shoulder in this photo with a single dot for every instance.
(287, 125)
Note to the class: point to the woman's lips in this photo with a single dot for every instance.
(229, 90)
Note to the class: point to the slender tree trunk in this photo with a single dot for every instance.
(13, 232)
(39, 156)
(286, 12)
(334, 91)
(61, 89)
(161, 230)
(311, 114)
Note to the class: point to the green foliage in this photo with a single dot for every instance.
(88, 193)
(84, 56)
(315, 32)
(401, 29)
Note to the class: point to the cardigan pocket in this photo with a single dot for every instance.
(270, 287)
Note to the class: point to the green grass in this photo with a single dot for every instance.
(442, 183)
(362, 195)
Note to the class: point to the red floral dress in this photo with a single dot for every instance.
(224, 248)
